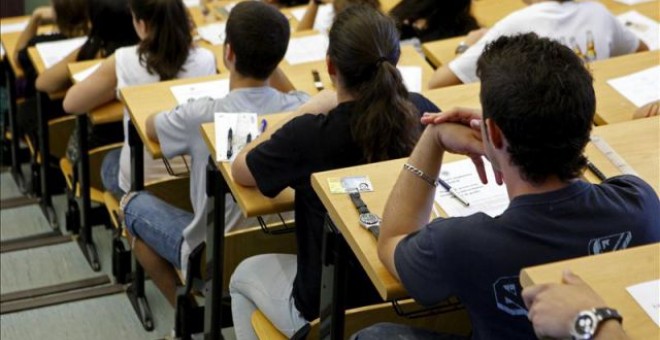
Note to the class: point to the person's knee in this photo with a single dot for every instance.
(133, 209)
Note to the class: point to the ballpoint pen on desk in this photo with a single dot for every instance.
(592, 167)
(317, 80)
(264, 125)
(453, 192)
(230, 139)
(249, 138)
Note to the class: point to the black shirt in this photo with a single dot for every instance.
(305, 145)
(26, 64)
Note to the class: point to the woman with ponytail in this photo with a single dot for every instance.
(165, 52)
(370, 118)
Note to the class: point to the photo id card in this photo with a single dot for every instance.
(348, 184)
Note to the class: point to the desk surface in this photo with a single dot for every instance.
(441, 52)
(637, 142)
(249, 199)
(108, 113)
(611, 107)
(39, 67)
(300, 75)
(609, 274)
(144, 100)
(9, 41)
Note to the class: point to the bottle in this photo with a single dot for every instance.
(590, 55)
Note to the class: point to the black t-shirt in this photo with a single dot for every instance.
(478, 258)
(26, 63)
(308, 144)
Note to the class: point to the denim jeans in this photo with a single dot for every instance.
(110, 173)
(385, 330)
(157, 224)
(265, 282)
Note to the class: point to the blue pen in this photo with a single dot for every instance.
(264, 124)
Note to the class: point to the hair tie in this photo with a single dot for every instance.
(380, 60)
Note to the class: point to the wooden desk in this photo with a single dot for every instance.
(488, 12)
(9, 41)
(144, 100)
(609, 274)
(650, 9)
(300, 75)
(441, 52)
(637, 142)
(611, 106)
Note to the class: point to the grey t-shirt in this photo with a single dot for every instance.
(179, 134)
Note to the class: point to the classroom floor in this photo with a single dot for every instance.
(108, 317)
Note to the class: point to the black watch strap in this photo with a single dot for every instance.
(605, 313)
(358, 202)
(375, 230)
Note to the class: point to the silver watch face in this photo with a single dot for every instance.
(585, 325)
(369, 220)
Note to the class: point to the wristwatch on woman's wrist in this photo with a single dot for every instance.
(586, 322)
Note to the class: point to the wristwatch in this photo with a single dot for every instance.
(462, 47)
(368, 220)
(587, 321)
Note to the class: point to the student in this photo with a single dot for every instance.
(308, 20)
(70, 18)
(429, 20)
(538, 107)
(373, 118)
(257, 36)
(165, 52)
(554, 309)
(587, 27)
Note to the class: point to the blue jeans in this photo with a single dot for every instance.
(157, 224)
(110, 173)
(385, 330)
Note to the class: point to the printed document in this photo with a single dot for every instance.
(306, 49)
(633, 2)
(53, 52)
(232, 132)
(324, 16)
(191, 3)
(647, 294)
(491, 198)
(412, 77)
(215, 89)
(641, 87)
(213, 33)
(646, 29)
(82, 75)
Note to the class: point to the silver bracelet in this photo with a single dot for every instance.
(419, 173)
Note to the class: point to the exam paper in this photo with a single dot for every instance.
(232, 132)
(641, 87)
(215, 89)
(191, 3)
(412, 77)
(306, 49)
(53, 52)
(213, 33)
(491, 199)
(82, 75)
(324, 17)
(16, 27)
(647, 294)
(633, 2)
(646, 29)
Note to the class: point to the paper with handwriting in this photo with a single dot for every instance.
(232, 132)
(215, 89)
(53, 52)
(306, 49)
(640, 87)
(647, 295)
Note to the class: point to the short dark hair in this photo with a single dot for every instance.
(541, 96)
(259, 36)
(112, 28)
(71, 17)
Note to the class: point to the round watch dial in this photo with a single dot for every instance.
(585, 325)
(369, 219)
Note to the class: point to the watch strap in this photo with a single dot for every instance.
(375, 230)
(606, 313)
(358, 202)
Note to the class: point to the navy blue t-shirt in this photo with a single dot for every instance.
(308, 144)
(478, 258)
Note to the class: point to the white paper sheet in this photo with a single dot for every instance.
(641, 88)
(412, 77)
(324, 17)
(232, 132)
(215, 89)
(633, 2)
(191, 3)
(52, 52)
(2, 51)
(647, 294)
(491, 199)
(645, 28)
(15, 27)
(306, 49)
(82, 75)
(213, 33)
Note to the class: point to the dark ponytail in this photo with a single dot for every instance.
(364, 47)
(112, 28)
(168, 41)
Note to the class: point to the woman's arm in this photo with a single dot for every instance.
(56, 78)
(99, 88)
(39, 16)
(307, 21)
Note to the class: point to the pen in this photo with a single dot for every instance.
(230, 139)
(453, 192)
(317, 80)
(249, 138)
(264, 124)
(592, 167)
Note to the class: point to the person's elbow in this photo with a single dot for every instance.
(70, 105)
(44, 85)
(386, 248)
(241, 173)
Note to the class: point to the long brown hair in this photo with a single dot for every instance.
(168, 41)
(71, 17)
(364, 47)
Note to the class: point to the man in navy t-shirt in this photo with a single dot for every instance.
(538, 106)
